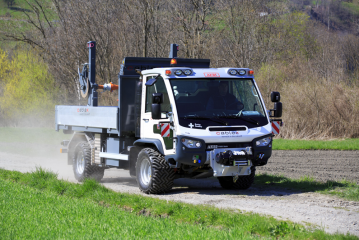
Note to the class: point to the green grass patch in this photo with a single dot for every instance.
(38, 205)
(346, 144)
(16, 11)
(344, 189)
(28, 213)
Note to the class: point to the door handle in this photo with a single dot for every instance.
(146, 119)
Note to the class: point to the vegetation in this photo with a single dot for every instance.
(28, 87)
(315, 68)
(337, 144)
(335, 14)
(344, 189)
(37, 205)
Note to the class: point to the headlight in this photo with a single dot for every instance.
(232, 71)
(242, 72)
(263, 142)
(191, 143)
(178, 72)
(187, 72)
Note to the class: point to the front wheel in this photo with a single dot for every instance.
(153, 174)
(242, 183)
(82, 164)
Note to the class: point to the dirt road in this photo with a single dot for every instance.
(329, 213)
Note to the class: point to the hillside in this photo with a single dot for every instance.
(340, 15)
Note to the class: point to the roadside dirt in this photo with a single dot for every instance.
(328, 213)
(322, 165)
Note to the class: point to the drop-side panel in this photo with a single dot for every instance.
(85, 116)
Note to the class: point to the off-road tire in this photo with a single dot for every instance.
(82, 164)
(153, 174)
(243, 182)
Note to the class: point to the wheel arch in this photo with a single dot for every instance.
(147, 142)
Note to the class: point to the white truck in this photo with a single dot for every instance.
(176, 118)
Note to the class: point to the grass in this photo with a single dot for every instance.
(346, 144)
(15, 10)
(344, 189)
(15, 21)
(38, 205)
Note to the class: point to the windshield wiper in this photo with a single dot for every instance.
(247, 119)
(217, 120)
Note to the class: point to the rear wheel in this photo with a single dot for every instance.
(82, 164)
(243, 182)
(153, 174)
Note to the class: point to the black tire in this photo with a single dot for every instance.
(243, 182)
(82, 164)
(153, 174)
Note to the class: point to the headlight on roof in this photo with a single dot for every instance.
(187, 72)
(241, 72)
(232, 72)
(178, 72)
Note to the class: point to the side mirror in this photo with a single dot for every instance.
(157, 100)
(277, 109)
(275, 96)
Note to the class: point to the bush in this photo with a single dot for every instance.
(28, 87)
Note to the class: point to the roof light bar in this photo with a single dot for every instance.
(240, 72)
(179, 72)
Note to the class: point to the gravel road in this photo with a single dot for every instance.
(329, 213)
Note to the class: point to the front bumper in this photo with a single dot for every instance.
(258, 156)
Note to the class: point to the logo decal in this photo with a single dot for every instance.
(229, 134)
(196, 125)
(83, 111)
(211, 74)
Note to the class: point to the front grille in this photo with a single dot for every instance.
(228, 145)
(221, 129)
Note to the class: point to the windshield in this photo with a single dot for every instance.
(218, 102)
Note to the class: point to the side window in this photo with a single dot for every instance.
(158, 87)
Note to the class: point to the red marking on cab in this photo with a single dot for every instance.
(211, 74)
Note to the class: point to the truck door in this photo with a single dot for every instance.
(159, 128)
